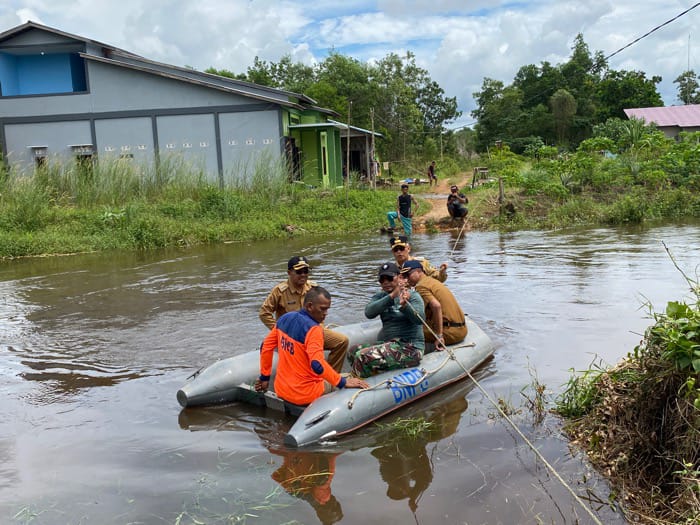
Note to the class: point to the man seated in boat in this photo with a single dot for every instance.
(401, 336)
(303, 374)
(444, 317)
(288, 296)
(401, 249)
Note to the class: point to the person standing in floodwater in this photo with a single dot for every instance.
(404, 211)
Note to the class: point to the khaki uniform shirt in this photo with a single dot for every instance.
(282, 299)
(452, 313)
(430, 270)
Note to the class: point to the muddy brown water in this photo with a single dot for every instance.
(94, 347)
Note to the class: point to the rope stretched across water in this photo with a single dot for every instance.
(515, 427)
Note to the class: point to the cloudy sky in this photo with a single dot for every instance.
(458, 41)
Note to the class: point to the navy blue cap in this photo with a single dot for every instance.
(409, 266)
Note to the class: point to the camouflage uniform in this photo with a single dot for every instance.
(369, 359)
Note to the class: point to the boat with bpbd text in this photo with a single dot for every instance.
(343, 410)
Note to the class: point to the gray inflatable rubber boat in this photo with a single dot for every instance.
(341, 411)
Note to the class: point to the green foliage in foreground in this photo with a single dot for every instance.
(639, 421)
(639, 176)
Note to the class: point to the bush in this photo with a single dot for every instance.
(639, 420)
(629, 209)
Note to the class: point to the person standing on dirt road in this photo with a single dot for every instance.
(431, 174)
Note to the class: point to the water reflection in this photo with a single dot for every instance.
(140, 323)
(404, 462)
(406, 468)
(308, 476)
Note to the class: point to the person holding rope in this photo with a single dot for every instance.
(401, 249)
(445, 322)
(288, 296)
(401, 336)
(457, 204)
(403, 211)
(303, 374)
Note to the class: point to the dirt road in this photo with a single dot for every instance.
(436, 197)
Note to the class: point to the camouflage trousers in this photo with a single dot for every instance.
(368, 359)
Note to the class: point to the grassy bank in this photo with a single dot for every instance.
(639, 422)
(119, 206)
(539, 211)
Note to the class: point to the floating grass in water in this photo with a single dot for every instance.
(409, 427)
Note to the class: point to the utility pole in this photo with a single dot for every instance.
(375, 167)
(441, 144)
(347, 157)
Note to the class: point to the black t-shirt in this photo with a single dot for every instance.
(405, 204)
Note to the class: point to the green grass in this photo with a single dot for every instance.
(408, 427)
(119, 205)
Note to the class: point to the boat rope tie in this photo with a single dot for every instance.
(571, 491)
(398, 382)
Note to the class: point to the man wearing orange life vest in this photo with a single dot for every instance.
(288, 296)
(302, 372)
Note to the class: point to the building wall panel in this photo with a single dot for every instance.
(119, 89)
(56, 136)
(248, 139)
(130, 138)
(189, 139)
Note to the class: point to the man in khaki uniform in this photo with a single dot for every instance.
(401, 249)
(442, 311)
(288, 296)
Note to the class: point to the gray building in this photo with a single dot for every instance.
(63, 96)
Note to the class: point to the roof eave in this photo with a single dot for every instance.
(181, 78)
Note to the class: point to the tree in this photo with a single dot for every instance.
(226, 73)
(293, 76)
(563, 106)
(539, 101)
(618, 90)
(498, 113)
(538, 83)
(688, 87)
(349, 81)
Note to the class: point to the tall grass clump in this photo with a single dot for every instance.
(266, 176)
(26, 205)
(639, 421)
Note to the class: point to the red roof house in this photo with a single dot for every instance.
(671, 120)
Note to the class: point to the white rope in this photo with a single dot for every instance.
(517, 430)
(464, 223)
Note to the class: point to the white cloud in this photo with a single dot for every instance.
(459, 42)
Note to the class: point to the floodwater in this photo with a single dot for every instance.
(94, 347)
